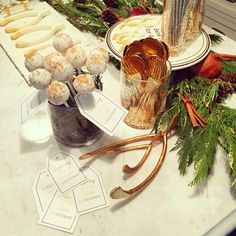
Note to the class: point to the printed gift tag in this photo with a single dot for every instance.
(90, 195)
(33, 104)
(64, 171)
(61, 213)
(101, 110)
(44, 189)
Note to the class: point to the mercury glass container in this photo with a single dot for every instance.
(181, 23)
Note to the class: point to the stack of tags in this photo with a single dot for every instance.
(64, 191)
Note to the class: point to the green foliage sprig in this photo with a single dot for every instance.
(198, 146)
(86, 16)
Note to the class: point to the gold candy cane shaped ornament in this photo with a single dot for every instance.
(52, 30)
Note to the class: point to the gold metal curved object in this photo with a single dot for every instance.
(128, 170)
(115, 145)
(119, 192)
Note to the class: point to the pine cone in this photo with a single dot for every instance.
(109, 17)
(228, 77)
(226, 88)
(111, 3)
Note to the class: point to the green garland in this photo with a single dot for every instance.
(86, 16)
(198, 145)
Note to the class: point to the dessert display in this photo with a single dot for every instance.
(61, 74)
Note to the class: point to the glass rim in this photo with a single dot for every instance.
(169, 71)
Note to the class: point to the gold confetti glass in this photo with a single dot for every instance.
(181, 23)
(144, 93)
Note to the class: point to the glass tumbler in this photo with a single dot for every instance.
(181, 23)
(71, 128)
(144, 99)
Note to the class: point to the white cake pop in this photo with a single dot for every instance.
(99, 52)
(84, 84)
(63, 71)
(40, 78)
(58, 93)
(34, 61)
(52, 60)
(62, 42)
(76, 56)
(96, 65)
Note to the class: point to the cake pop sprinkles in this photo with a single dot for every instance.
(62, 42)
(63, 71)
(58, 93)
(99, 52)
(34, 61)
(52, 60)
(84, 84)
(96, 65)
(40, 78)
(76, 56)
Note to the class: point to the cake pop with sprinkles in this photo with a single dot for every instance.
(34, 61)
(58, 93)
(40, 78)
(84, 84)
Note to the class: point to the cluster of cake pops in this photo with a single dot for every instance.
(55, 72)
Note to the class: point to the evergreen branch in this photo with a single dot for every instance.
(216, 39)
(229, 66)
(199, 145)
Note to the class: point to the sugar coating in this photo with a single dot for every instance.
(57, 93)
(84, 84)
(52, 60)
(63, 71)
(76, 56)
(96, 65)
(40, 78)
(34, 61)
(62, 42)
(101, 52)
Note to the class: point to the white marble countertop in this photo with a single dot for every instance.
(166, 207)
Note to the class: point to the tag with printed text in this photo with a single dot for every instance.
(101, 110)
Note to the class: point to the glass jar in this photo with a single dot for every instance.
(71, 128)
(181, 22)
(144, 99)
